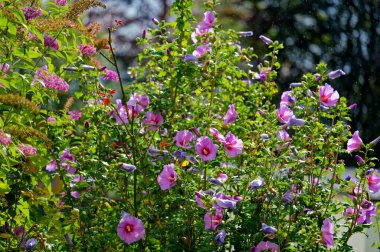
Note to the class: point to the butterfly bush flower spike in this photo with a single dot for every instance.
(328, 96)
(5, 139)
(130, 229)
(354, 143)
(110, 75)
(168, 177)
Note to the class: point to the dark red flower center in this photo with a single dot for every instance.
(205, 151)
(129, 228)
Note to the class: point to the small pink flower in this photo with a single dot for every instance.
(130, 229)
(5, 139)
(212, 221)
(206, 149)
(208, 21)
(327, 96)
(231, 115)
(373, 182)
(168, 177)
(183, 139)
(67, 159)
(153, 121)
(284, 114)
(87, 49)
(354, 143)
(219, 137)
(27, 150)
(328, 233)
(267, 246)
(233, 145)
(110, 75)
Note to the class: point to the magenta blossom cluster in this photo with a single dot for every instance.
(49, 80)
(31, 12)
(28, 150)
(130, 228)
(5, 139)
(75, 115)
(87, 49)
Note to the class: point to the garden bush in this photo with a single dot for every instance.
(192, 151)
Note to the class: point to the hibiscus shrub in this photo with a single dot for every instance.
(193, 154)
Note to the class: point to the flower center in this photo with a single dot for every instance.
(129, 228)
(205, 151)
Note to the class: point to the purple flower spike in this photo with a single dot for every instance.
(268, 229)
(265, 39)
(130, 229)
(60, 2)
(233, 145)
(206, 149)
(168, 177)
(257, 183)
(31, 12)
(328, 233)
(328, 96)
(231, 115)
(208, 21)
(336, 74)
(220, 236)
(354, 143)
(296, 122)
(51, 42)
(127, 167)
(183, 139)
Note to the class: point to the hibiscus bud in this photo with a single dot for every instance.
(353, 106)
(336, 74)
(375, 142)
(155, 21)
(266, 40)
(246, 33)
(143, 34)
(295, 84)
(359, 159)
(127, 167)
